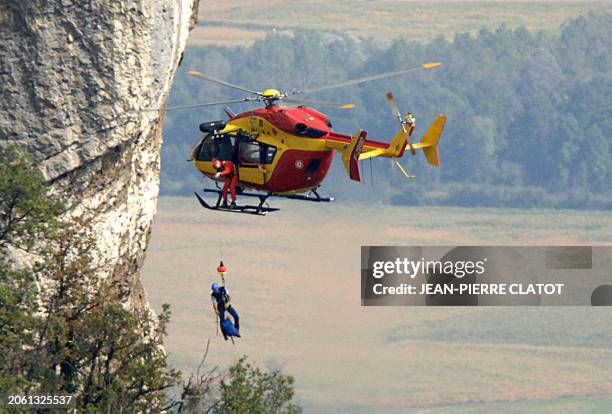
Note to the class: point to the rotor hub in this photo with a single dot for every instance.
(271, 94)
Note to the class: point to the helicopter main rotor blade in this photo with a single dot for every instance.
(248, 99)
(397, 113)
(321, 103)
(220, 82)
(357, 81)
(393, 106)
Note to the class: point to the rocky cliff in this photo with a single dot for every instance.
(80, 82)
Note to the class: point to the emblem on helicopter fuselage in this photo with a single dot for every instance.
(299, 164)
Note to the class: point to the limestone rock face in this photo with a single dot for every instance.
(81, 84)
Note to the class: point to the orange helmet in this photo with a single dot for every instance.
(218, 164)
(221, 268)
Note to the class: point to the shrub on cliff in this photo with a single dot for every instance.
(26, 210)
(249, 390)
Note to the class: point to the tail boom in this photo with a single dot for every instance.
(356, 148)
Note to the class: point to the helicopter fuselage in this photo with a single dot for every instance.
(278, 149)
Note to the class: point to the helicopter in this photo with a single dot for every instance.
(286, 151)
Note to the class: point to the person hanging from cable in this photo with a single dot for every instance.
(228, 171)
(221, 303)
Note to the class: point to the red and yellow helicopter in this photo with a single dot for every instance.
(286, 151)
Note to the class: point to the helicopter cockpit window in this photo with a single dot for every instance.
(208, 149)
(215, 146)
(225, 147)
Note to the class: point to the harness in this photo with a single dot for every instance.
(221, 297)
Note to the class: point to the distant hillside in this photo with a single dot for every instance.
(237, 23)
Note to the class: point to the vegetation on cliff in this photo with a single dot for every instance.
(63, 329)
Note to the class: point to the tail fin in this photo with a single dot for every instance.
(350, 155)
(397, 146)
(429, 142)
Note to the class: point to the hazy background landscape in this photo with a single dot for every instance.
(528, 100)
(528, 110)
(295, 277)
(236, 23)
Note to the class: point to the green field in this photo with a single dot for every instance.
(295, 279)
(592, 405)
(585, 405)
(236, 23)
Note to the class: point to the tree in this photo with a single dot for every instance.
(249, 390)
(74, 335)
(26, 210)
(197, 390)
(87, 342)
(17, 318)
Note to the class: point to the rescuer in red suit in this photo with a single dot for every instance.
(227, 170)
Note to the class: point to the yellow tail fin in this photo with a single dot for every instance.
(429, 142)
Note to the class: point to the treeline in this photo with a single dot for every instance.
(528, 113)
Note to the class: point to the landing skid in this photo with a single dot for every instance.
(314, 197)
(259, 209)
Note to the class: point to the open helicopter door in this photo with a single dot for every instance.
(249, 162)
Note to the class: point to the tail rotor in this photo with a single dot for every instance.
(407, 123)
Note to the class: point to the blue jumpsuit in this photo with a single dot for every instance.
(221, 298)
